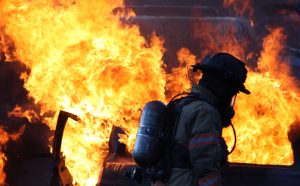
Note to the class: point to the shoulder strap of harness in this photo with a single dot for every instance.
(192, 96)
(203, 98)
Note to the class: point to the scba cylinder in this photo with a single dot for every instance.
(151, 132)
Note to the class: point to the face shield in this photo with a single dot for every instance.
(233, 101)
(228, 113)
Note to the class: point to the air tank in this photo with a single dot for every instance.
(151, 132)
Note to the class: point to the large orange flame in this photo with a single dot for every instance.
(263, 118)
(181, 77)
(84, 61)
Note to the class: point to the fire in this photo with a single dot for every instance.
(182, 77)
(242, 8)
(83, 60)
(5, 137)
(222, 36)
(263, 119)
(19, 112)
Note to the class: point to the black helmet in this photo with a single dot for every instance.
(228, 66)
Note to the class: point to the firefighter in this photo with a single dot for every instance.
(196, 157)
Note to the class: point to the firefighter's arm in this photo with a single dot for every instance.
(204, 149)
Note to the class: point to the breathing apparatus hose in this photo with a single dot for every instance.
(234, 139)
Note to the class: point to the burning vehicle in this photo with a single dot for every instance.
(99, 63)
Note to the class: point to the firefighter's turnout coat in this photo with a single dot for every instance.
(199, 130)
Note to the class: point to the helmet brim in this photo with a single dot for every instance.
(245, 91)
